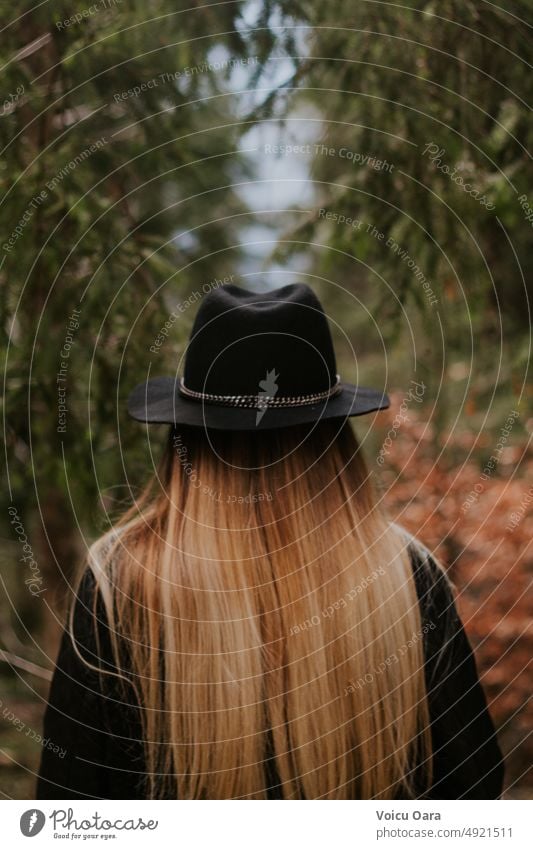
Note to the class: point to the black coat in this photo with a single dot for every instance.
(101, 732)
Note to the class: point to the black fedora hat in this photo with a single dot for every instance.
(255, 361)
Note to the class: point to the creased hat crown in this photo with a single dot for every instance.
(240, 339)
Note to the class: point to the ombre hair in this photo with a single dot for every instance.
(259, 599)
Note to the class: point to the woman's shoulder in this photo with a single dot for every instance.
(93, 590)
(90, 610)
(426, 565)
(445, 640)
(87, 628)
(436, 591)
(94, 606)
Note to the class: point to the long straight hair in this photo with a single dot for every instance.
(264, 609)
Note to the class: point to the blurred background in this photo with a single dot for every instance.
(380, 153)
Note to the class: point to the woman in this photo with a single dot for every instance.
(255, 626)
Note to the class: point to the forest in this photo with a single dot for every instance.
(380, 153)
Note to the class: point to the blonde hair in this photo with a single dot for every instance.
(261, 605)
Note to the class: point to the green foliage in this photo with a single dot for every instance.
(120, 152)
(120, 137)
(388, 80)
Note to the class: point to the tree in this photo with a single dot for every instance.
(421, 170)
(120, 155)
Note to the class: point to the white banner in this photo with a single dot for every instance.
(268, 824)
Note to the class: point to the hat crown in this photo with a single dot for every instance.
(243, 343)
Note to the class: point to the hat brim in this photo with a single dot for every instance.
(158, 401)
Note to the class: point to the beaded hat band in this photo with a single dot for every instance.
(238, 336)
(261, 401)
